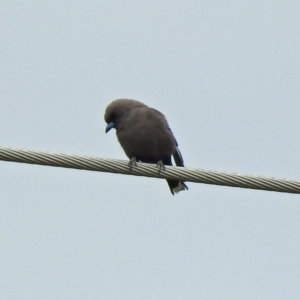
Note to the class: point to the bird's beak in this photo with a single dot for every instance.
(109, 127)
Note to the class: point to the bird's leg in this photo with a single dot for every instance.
(132, 163)
(160, 166)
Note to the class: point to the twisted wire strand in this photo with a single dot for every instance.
(149, 170)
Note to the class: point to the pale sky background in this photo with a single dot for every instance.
(227, 76)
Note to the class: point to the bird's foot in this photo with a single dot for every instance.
(160, 166)
(132, 163)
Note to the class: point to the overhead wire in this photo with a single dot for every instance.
(149, 170)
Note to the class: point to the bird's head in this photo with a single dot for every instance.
(117, 112)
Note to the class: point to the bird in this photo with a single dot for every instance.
(145, 136)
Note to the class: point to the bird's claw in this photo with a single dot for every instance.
(160, 166)
(132, 163)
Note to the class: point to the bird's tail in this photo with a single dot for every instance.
(176, 186)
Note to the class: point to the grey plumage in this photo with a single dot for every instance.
(144, 134)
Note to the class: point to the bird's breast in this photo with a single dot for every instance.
(146, 142)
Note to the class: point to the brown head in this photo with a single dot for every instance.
(118, 110)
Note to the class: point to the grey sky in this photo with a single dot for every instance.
(226, 75)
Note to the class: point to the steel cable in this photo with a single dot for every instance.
(149, 170)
